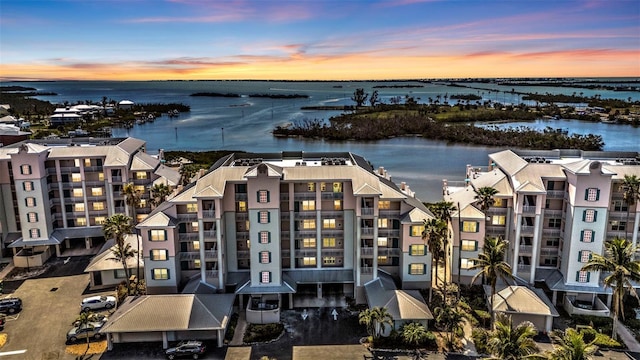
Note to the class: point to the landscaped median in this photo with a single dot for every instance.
(80, 349)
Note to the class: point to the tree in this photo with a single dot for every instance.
(159, 193)
(373, 99)
(133, 198)
(116, 227)
(630, 188)
(375, 320)
(84, 320)
(451, 317)
(435, 235)
(414, 333)
(359, 97)
(509, 343)
(442, 211)
(187, 172)
(485, 198)
(621, 268)
(492, 266)
(570, 345)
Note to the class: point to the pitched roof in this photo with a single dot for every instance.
(174, 312)
(509, 161)
(401, 304)
(522, 300)
(142, 161)
(104, 259)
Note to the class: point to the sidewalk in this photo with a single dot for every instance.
(467, 342)
(7, 269)
(238, 334)
(628, 338)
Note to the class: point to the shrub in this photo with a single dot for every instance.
(480, 339)
(262, 332)
(605, 341)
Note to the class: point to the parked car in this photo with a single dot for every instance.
(98, 302)
(10, 305)
(91, 330)
(190, 348)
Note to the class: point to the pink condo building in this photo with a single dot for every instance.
(555, 208)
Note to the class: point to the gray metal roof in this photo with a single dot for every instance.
(288, 287)
(555, 281)
(402, 305)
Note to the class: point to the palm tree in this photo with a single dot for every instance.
(442, 211)
(570, 345)
(366, 318)
(485, 198)
(509, 343)
(159, 193)
(451, 317)
(492, 266)
(621, 268)
(414, 333)
(133, 198)
(376, 320)
(434, 234)
(116, 227)
(84, 320)
(630, 188)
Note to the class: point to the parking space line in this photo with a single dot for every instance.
(16, 352)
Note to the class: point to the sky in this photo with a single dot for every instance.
(316, 39)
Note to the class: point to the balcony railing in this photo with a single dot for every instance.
(188, 236)
(211, 273)
(524, 268)
(51, 171)
(528, 209)
(526, 229)
(210, 254)
(496, 230)
(389, 232)
(304, 195)
(366, 231)
(367, 211)
(118, 210)
(285, 216)
(208, 214)
(69, 169)
(328, 195)
(553, 213)
(188, 217)
(305, 252)
(285, 253)
(497, 210)
(242, 216)
(388, 251)
(332, 252)
(611, 234)
(305, 233)
(332, 232)
(552, 232)
(94, 183)
(525, 249)
(209, 234)
(141, 181)
(93, 168)
(243, 254)
(333, 214)
(305, 215)
(550, 251)
(284, 196)
(117, 179)
(242, 235)
(366, 270)
(618, 215)
(189, 255)
(555, 194)
(391, 214)
(241, 197)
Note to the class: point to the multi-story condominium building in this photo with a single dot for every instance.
(56, 194)
(268, 225)
(555, 208)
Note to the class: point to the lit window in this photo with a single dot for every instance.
(265, 277)
(76, 162)
(263, 217)
(470, 226)
(469, 245)
(101, 176)
(417, 230)
(76, 178)
(309, 224)
(585, 256)
(337, 187)
(323, 186)
(498, 202)
(309, 261)
(329, 260)
(329, 242)
(589, 215)
(383, 223)
(195, 245)
(98, 206)
(265, 257)
(265, 237)
(196, 263)
(417, 250)
(383, 260)
(466, 263)
(586, 236)
(25, 169)
(194, 226)
(241, 206)
(191, 208)
(337, 204)
(140, 189)
(308, 205)
(328, 223)
(96, 191)
(34, 233)
(384, 204)
(77, 193)
(141, 175)
(79, 207)
(159, 254)
(157, 235)
(592, 194)
(583, 276)
(311, 186)
(498, 220)
(383, 242)
(27, 186)
(160, 274)
(87, 162)
(263, 196)
(30, 202)
(416, 269)
(309, 243)
(81, 221)
(100, 220)
(32, 217)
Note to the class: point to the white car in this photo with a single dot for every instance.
(98, 302)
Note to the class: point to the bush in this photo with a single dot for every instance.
(600, 324)
(605, 341)
(231, 328)
(262, 332)
(480, 339)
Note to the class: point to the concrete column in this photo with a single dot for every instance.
(292, 239)
(319, 294)
(516, 243)
(165, 341)
(58, 253)
(537, 230)
(609, 298)
(203, 263)
(221, 267)
(318, 239)
(375, 247)
(109, 342)
(358, 241)
(554, 298)
(290, 301)
(636, 222)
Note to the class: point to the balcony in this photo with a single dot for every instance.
(366, 231)
(208, 214)
(497, 211)
(306, 233)
(116, 179)
(211, 274)
(332, 232)
(304, 195)
(332, 252)
(241, 197)
(383, 251)
(329, 195)
(285, 253)
(525, 249)
(332, 214)
(529, 209)
(366, 270)
(188, 236)
(526, 229)
(550, 251)
(189, 255)
(555, 194)
(611, 234)
(366, 251)
(211, 254)
(285, 216)
(69, 169)
(306, 252)
(389, 232)
(242, 216)
(524, 268)
(284, 196)
(496, 230)
(581, 307)
(366, 211)
(242, 235)
(141, 181)
(187, 217)
(619, 215)
(305, 215)
(118, 210)
(389, 214)
(51, 171)
(92, 169)
(552, 232)
(243, 254)
(553, 213)
(209, 234)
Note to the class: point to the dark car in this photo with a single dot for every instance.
(191, 348)
(10, 305)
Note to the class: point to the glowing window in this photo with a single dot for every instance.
(383, 223)
(98, 206)
(416, 230)
(141, 175)
(160, 274)
(469, 245)
(328, 223)
(416, 269)
(309, 261)
(383, 242)
(192, 208)
(470, 226)
(466, 263)
(81, 221)
(157, 235)
(308, 205)
(309, 224)
(309, 243)
(77, 193)
(78, 207)
(76, 178)
(384, 204)
(329, 242)
(337, 204)
(417, 250)
(96, 191)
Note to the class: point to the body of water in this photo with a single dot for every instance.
(245, 123)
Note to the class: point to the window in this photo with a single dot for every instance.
(141, 189)
(308, 205)
(76, 162)
(141, 175)
(263, 196)
(25, 169)
(553, 242)
(119, 274)
(263, 217)
(76, 178)
(77, 193)
(329, 260)
(197, 263)
(469, 245)
(142, 203)
(157, 235)
(337, 204)
(309, 261)
(466, 263)
(34, 233)
(30, 202)
(96, 191)
(159, 254)
(555, 223)
(383, 242)
(584, 256)
(265, 277)
(328, 223)
(81, 221)
(618, 225)
(589, 215)
(100, 176)
(265, 257)
(329, 242)
(498, 220)
(592, 194)
(311, 186)
(417, 269)
(384, 205)
(195, 245)
(337, 187)
(100, 220)
(498, 202)
(383, 223)
(586, 236)
(194, 226)
(416, 230)
(383, 260)
(98, 206)
(265, 237)
(550, 261)
(417, 250)
(619, 205)
(87, 162)
(161, 274)
(470, 226)
(27, 186)
(582, 276)
(241, 206)
(192, 208)
(79, 207)
(309, 243)
(32, 217)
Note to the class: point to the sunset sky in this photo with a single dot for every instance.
(317, 40)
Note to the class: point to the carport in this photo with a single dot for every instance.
(151, 318)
